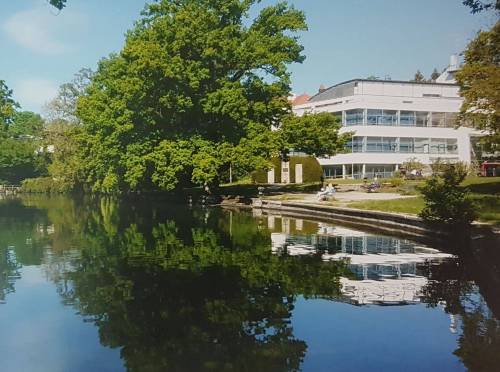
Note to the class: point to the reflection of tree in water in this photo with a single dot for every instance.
(9, 272)
(18, 245)
(175, 297)
(452, 284)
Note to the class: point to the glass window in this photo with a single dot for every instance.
(450, 119)
(407, 118)
(388, 144)
(380, 144)
(406, 145)
(421, 145)
(389, 117)
(451, 146)
(355, 145)
(438, 146)
(354, 117)
(438, 120)
(373, 117)
(373, 144)
(422, 118)
(382, 117)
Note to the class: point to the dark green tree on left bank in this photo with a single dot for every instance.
(18, 156)
(197, 87)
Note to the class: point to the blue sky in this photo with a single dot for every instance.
(41, 48)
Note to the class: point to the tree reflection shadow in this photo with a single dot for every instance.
(177, 291)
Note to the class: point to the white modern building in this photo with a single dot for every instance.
(392, 122)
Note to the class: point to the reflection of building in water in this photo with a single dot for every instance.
(385, 269)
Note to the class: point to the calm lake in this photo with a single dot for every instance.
(149, 285)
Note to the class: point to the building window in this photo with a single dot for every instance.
(382, 117)
(451, 146)
(355, 145)
(421, 145)
(438, 120)
(422, 118)
(438, 146)
(354, 117)
(406, 145)
(380, 144)
(407, 118)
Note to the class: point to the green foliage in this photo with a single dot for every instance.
(479, 79)
(59, 4)
(446, 202)
(396, 181)
(44, 185)
(314, 134)
(26, 123)
(311, 170)
(7, 107)
(196, 87)
(62, 146)
(19, 160)
(480, 5)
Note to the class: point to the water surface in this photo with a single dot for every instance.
(149, 285)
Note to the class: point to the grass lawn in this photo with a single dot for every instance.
(407, 205)
(485, 191)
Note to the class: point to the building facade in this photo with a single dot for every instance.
(392, 122)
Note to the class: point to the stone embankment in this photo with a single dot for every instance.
(390, 222)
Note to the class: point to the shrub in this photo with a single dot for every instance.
(446, 202)
(311, 170)
(396, 182)
(45, 185)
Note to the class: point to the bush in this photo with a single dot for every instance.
(446, 202)
(396, 182)
(311, 170)
(45, 185)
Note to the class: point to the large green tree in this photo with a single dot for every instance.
(479, 80)
(26, 123)
(197, 84)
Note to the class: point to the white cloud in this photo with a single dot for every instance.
(41, 30)
(32, 94)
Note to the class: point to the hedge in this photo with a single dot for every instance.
(311, 170)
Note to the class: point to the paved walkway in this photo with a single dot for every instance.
(354, 196)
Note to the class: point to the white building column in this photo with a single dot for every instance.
(343, 172)
(363, 172)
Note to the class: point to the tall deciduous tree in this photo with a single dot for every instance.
(196, 83)
(63, 106)
(7, 106)
(479, 81)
